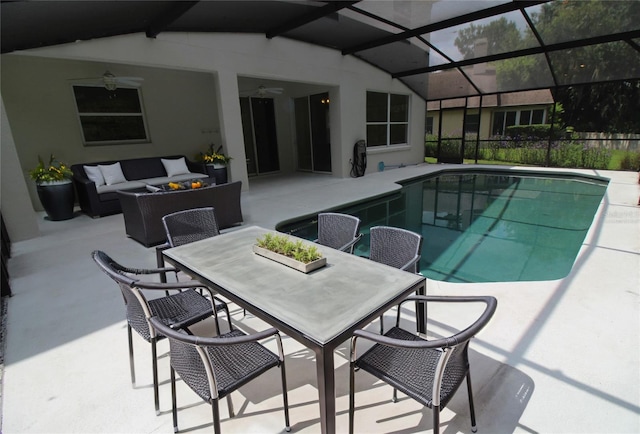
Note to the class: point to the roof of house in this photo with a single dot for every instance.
(414, 41)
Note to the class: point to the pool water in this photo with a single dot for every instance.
(484, 226)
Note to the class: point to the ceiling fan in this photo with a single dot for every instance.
(262, 91)
(111, 82)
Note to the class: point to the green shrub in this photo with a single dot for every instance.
(630, 161)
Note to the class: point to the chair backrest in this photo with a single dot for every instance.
(338, 231)
(137, 308)
(396, 247)
(184, 227)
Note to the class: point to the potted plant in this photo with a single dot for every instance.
(295, 254)
(55, 189)
(216, 163)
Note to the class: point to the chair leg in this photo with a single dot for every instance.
(381, 324)
(351, 396)
(436, 419)
(230, 405)
(174, 401)
(154, 362)
(471, 406)
(131, 365)
(285, 398)
(226, 310)
(216, 416)
(215, 317)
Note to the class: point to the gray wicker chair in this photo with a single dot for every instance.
(213, 367)
(396, 247)
(178, 311)
(338, 231)
(428, 371)
(184, 227)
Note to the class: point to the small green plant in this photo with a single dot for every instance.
(285, 246)
(54, 171)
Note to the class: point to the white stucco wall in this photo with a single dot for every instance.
(191, 87)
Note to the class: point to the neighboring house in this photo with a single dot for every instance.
(487, 117)
(188, 90)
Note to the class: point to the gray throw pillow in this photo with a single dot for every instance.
(112, 174)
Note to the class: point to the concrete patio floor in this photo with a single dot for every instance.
(559, 356)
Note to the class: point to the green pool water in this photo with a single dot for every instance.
(484, 226)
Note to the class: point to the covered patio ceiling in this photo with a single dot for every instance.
(436, 47)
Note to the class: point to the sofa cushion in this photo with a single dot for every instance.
(142, 168)
(95, 174)
(129, 185)
(112, 174)
(175, 167)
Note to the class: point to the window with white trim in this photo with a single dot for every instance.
(504, 119)
(387, 119)
(110, 116)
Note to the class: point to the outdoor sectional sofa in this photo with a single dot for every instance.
(101, 199)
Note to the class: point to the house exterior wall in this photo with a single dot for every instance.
(191, 93)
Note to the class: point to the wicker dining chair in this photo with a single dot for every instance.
(213, 367)
(178, 310)
(429, 371)
(396, 247)
(187, 226)
(338, 231)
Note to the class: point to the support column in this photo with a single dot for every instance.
(231, 125)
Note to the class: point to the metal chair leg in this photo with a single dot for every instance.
(472, 411)
(216, 416)
(436, 419)
(285, 398)
(131, 365)
(154, 362)
(230, 405)
(174, 401)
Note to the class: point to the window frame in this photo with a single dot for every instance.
(127, 141)
(388, 123)
(516, 113)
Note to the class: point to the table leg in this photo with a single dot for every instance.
(326, 390)
(421, 310)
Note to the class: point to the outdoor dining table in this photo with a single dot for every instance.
(320, 309)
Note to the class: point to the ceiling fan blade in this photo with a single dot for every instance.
(128, 81)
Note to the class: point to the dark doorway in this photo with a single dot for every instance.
(313, 133)
(260, 139)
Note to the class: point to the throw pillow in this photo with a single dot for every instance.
(94, 174)
(112, 173)
(175, 167)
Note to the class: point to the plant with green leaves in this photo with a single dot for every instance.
(283, 245)
(54, 171)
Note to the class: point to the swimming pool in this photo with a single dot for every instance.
(480, 226)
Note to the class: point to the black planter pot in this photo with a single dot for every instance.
(219, 173)
(57, 200)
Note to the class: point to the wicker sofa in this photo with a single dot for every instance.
(100, 200)
(143, 211)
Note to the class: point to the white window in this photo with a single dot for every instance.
(502, 120)
(387, 119)
(110, 116)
